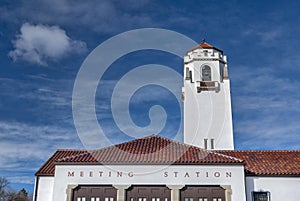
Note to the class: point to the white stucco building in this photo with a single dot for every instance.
(205, 167)
(207, 102)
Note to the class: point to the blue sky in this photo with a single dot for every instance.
(43, 44)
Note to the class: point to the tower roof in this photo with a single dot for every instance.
(205, 45)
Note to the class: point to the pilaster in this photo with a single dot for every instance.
(69, 190)
(175, 192)
(228, 192)
(121, 191)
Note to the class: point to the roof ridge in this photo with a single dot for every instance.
(184, 145)
(108, 147)
(71, 149)
(204, 45)
(209, 151)
(73, 156)
(50, 162)
(136, 139)
(231, 157)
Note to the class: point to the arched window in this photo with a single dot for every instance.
(206, 73)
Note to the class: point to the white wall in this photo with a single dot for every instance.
(45, 188)
(208, 115)
(280, 188)
(152, 175)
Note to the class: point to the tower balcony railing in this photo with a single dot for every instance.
(208, 86)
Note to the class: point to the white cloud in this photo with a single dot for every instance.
(266, 109)
(267, 132)
(261, 89)
(105, 16)
(46, 91)
(267, 35)
(40, 43)
(21, 179)
(24, 146)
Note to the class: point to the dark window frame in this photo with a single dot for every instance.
(257, 193)
(86, 191)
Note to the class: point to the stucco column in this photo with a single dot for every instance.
(228, 192)
(175, 192)
(69, 191)
(121, 191)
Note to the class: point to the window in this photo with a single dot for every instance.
(187, 73)
(191, 76)
(205, 143)
(261, 196)
(109, 199)
(148, 193)
(94, 193)
(202, 193)
(206, 73)
(212, 143)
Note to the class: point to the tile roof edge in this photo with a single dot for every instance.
(44, 175)
(252, 150)
(146, 163)
(51, 158)
(251, 174)
(46, 162)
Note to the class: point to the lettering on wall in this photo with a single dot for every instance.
(100, 174)
(166, 174)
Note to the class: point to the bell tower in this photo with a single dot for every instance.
(206, 97)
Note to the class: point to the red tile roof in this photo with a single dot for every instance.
(48, 167)
(205, 45)
(269, 163)
(158, 150)
(150, 150)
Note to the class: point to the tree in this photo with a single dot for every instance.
(22, 195)
(8, 194)
(4, 184)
